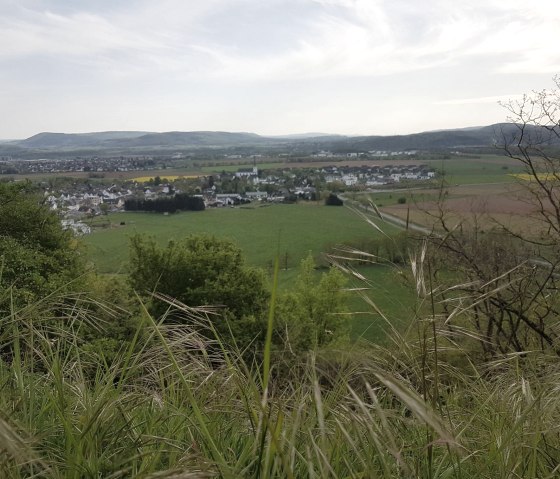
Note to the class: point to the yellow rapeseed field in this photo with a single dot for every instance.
(528, 177)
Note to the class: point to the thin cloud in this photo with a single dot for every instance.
(332, 38)
(339, 64)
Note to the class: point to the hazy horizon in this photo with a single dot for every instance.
(271, 67)
(306, 133)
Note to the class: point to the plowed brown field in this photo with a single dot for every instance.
(487, 206)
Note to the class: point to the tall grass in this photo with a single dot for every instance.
(175, 404)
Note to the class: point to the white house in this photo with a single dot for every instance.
(349, 180)
(247, 172)
(256, 195)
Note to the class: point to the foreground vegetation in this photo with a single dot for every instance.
(178, 398)
(174, 403)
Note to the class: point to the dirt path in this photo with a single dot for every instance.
(389, 218)
(395, 220)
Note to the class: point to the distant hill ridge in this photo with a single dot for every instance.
(134, 138)
(61, 140)
(484, 136)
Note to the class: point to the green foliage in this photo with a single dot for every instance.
(111, 302)
(393, 249)
(104, 207)
(333, 200)
(170, 204)
(41, 263)
(37, 256)
(260, 232)
(311, 314)
(202, 270)
(166, 408)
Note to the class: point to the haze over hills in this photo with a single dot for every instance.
(111, 142)
(442, 139)
(302, 136)
(132, 139)
(76, 140)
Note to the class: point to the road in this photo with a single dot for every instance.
(395, 220)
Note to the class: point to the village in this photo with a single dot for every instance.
(77, 200)
(95, 164)
(123, 163)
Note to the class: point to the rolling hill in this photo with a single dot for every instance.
(145, 142)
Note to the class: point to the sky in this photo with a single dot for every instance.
(355, 67)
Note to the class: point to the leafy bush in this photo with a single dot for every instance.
(311, 315)
(178, 202)
(202, 270)
(333, 200)
(37, 256)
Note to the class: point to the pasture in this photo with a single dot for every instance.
(481, 169)
(290, 232)
(263, 232)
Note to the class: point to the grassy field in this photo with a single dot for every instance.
(289, 231)
(483, 169)
(262, 232)
(389, 290)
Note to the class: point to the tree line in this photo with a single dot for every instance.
(172, 204)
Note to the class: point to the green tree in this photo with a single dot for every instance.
(333, 200)
(37, 256)
(203, 270)
(311, 315)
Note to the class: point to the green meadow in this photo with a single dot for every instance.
(290, 232)
(477, 170)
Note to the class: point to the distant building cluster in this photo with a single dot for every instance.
(368, 154)
(376, 175)
(78, 164)
(82, 199)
